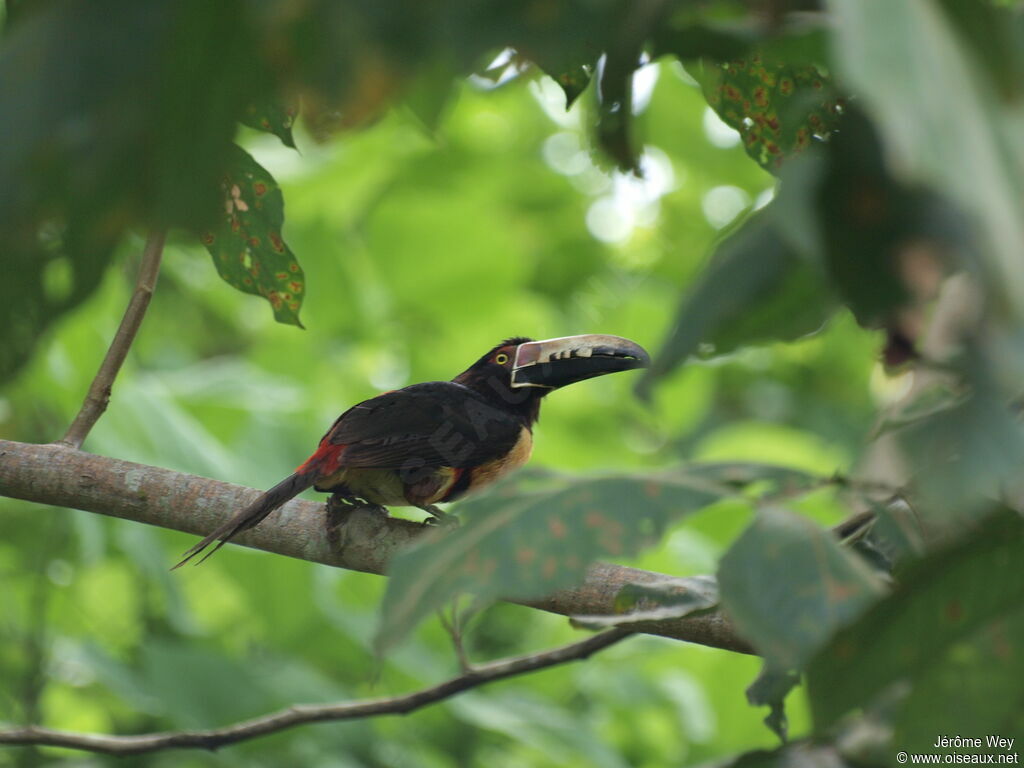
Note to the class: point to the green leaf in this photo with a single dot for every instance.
(572, 76)
(624, 53)
(272, 116)
(247, 248)
(938, 81)
(665, 598)
(994, 34)
(976, 687)
(615, 124)
(756, 288)
(839, 227)
(884, 242)
(788, 586)
(770, 689)
(966, 454)
(524, 543)
(134, 135)
(573, 81)
(779, 108)
(568, 43)
(725, 32)
(430, 92)
(49, 270)
(688, 39)
(940, 601)
(896, 533)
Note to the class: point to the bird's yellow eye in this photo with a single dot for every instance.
(501, 358)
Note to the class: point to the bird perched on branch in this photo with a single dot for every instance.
(435, 442)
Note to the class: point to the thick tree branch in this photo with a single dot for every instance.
(98, 396)
(303, 714)
(365, 541)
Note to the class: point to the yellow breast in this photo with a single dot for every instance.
(487, 473)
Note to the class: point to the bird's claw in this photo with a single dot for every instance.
(339, 508)
(440, 519)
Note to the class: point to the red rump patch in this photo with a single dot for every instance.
(461, 478)
(326, 460)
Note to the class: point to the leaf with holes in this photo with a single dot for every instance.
(518, 543)
(942, 601)
(778, 108)
(273, 117)
(247, 248)
(658, 600)
(788, 586)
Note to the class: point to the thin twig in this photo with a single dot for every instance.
(455, 627)
(303, 714)
(96, 399)
(840, 481)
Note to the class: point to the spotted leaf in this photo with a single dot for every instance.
(521, 542)
(947, 608)
(247, 248)
(777, 108)
(788, 586)
(274, 117)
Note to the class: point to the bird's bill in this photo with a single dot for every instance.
(554, 363)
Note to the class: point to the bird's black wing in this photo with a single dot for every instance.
(437, 424)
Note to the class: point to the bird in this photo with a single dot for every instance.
(435, 442)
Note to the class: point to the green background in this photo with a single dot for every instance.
(422, 247)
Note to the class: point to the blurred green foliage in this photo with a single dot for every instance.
(468, 209)
(419, 252)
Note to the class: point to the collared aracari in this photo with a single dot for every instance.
(435, 442)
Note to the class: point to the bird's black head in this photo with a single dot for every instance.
(518, 372)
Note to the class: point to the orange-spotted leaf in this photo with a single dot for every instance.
(778, 108)
(788, 585)
(248, 248)
(521, 542)
(976, 686)
(273, 117)
(955, 617)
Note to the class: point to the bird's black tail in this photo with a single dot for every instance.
(251, 516)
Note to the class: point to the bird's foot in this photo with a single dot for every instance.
(439, 517)
(341, 501)
(339, 509)
(377, 509)
(346, 503)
